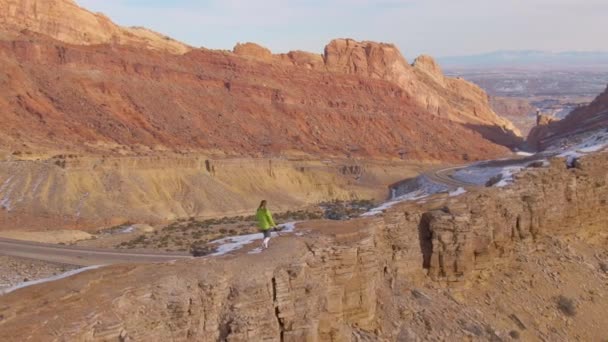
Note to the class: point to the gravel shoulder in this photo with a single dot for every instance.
(14, 270)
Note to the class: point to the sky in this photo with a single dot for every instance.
(435, 27)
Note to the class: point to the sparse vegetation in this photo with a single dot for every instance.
(194, 234)
(566, 305)
(344, 210)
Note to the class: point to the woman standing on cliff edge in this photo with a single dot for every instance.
(265, 222)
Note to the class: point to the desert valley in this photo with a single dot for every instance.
(412, 205)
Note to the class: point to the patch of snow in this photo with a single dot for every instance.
(458, 192)
(81, 204)
(593, 148)
(593, 142)
(6, 183)
(255, 251)
(37, 184)
(46, 280)
(507, 175)
(478, 175)
(412, 190)
(127, 230)
(7, 189)
(233, 243)
(413, 196)
(524, 154)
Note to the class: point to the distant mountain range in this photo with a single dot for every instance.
(529, 58)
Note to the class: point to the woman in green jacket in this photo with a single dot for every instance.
(265, 222)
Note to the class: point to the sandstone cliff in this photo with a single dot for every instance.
(368, 279)
(121, 100)
(64, 20)
(582, 120)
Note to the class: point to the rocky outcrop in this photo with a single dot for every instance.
(581, 121)
(253, 50)
(424, 82)
(65, 21)
(337, 282)
(545, 120)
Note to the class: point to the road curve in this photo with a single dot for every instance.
(81, 256)
(443, 176)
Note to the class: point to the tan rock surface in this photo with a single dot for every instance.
(505, 255)
(65, 21)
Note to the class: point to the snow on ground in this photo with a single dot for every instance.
(46, 280)
(412, 190)
(233, 243)
(478, 175)
(593, 143)
(507, 175)
(457, 192)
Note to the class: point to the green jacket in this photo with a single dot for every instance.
(264, 218)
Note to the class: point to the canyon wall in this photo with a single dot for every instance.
(344, 281)
(73, 81)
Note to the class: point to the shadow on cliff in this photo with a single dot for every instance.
(497, 135)
(426, 240)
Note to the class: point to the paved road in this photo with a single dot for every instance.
(88, 257)
(80, 256)
(443, 176)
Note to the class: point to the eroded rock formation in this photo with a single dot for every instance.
(65, 21)
(582, 120)
(337, 282)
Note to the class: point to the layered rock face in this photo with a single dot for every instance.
(64, 20)
(121, 100)
(582, 120)
(351, 281)
(77, 82)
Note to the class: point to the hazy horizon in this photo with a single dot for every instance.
(436, 27)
